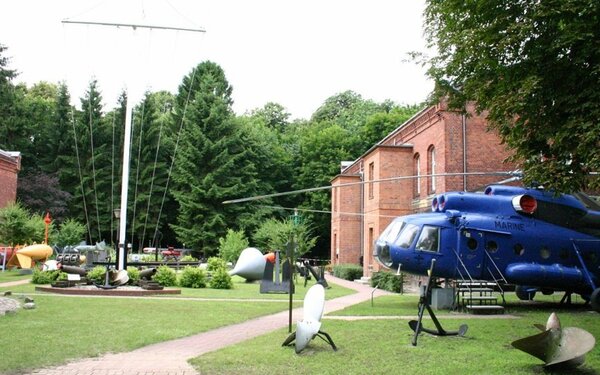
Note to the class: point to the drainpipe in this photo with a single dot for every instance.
(362, 212)
(464, 137)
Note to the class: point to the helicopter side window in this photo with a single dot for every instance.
(429, 239)
(407, 235)
(545, 252)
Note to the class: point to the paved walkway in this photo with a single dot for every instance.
(170, 357)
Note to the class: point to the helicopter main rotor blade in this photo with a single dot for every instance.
(389, 179)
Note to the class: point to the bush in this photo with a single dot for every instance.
(71, 233)
(192, 277)
(388, 281)
(348, 271)
(165, 276)
(134, 275)
(147, 258)
(215, 263)
(188, 258)
(221, 279)
(96, 275)
(232, 245)
(44, 277)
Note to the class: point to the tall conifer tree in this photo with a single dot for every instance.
(212, 161)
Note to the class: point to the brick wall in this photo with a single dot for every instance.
(9, 168)
(443, 142)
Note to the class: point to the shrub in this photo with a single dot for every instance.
(232, 245)
(221, 279)
(44, 277)
(188, 258)
(215, 263)
(348, 271)
(147, 258)
(71, 233)
(134, 275)
(192, 277)
(165, 276)
(388, 281)
(96, 274)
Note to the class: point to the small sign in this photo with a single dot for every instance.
(73, 277)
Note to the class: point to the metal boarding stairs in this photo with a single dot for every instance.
(479, 296)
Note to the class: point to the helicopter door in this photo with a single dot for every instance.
(471, 252)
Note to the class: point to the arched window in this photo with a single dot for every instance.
(431, 168)
(417, 173)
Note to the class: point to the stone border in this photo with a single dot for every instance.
(93, 291)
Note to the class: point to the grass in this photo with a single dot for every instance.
(12, 275)
(64, 328)
(384, 346)
(245, 290)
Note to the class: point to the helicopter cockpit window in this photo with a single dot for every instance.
(391, 232)
(429, 239)
(407, 235)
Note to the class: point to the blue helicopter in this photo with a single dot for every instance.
(534, 239)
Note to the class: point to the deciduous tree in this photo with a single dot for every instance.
(534, 67)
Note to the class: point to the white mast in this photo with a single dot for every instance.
(122, 246)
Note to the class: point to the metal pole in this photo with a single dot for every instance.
(4, 260)
(134, 26)
(290, 257)
(122, 250)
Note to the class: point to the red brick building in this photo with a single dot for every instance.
(434, 141)
(10, 164)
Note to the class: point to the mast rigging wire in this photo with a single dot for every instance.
(112, 181)
(137, 171)
(93, 166)
(152, 180)
(87, 220)
(187, 101)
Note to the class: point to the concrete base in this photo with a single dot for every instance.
(91, 290)
(442, 298)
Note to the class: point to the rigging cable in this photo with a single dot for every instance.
(341, 213)
(152, 180)
(187, 101)
(93, 166)
(87, 220)
(137, 170)
(112, 182)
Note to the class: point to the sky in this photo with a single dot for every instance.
(291, 52)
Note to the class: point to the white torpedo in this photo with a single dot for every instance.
(307, 328)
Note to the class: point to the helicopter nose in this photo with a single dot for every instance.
(382, 254)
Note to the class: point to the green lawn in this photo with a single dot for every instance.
(64, 328)
(384, 346)
(12, 275)
(245, 290)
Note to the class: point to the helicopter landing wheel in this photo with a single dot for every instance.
(595, 300)
(524, 293)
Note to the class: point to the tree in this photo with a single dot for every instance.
(71, 233)
(232, 245)
(534, 68)
(19, 227)
(149, 165)
(93, 134)
(40, 193)
(274, 115)
(213, 162)
(276, 234)
(12, 127)
(322, 147)
(380, 124)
